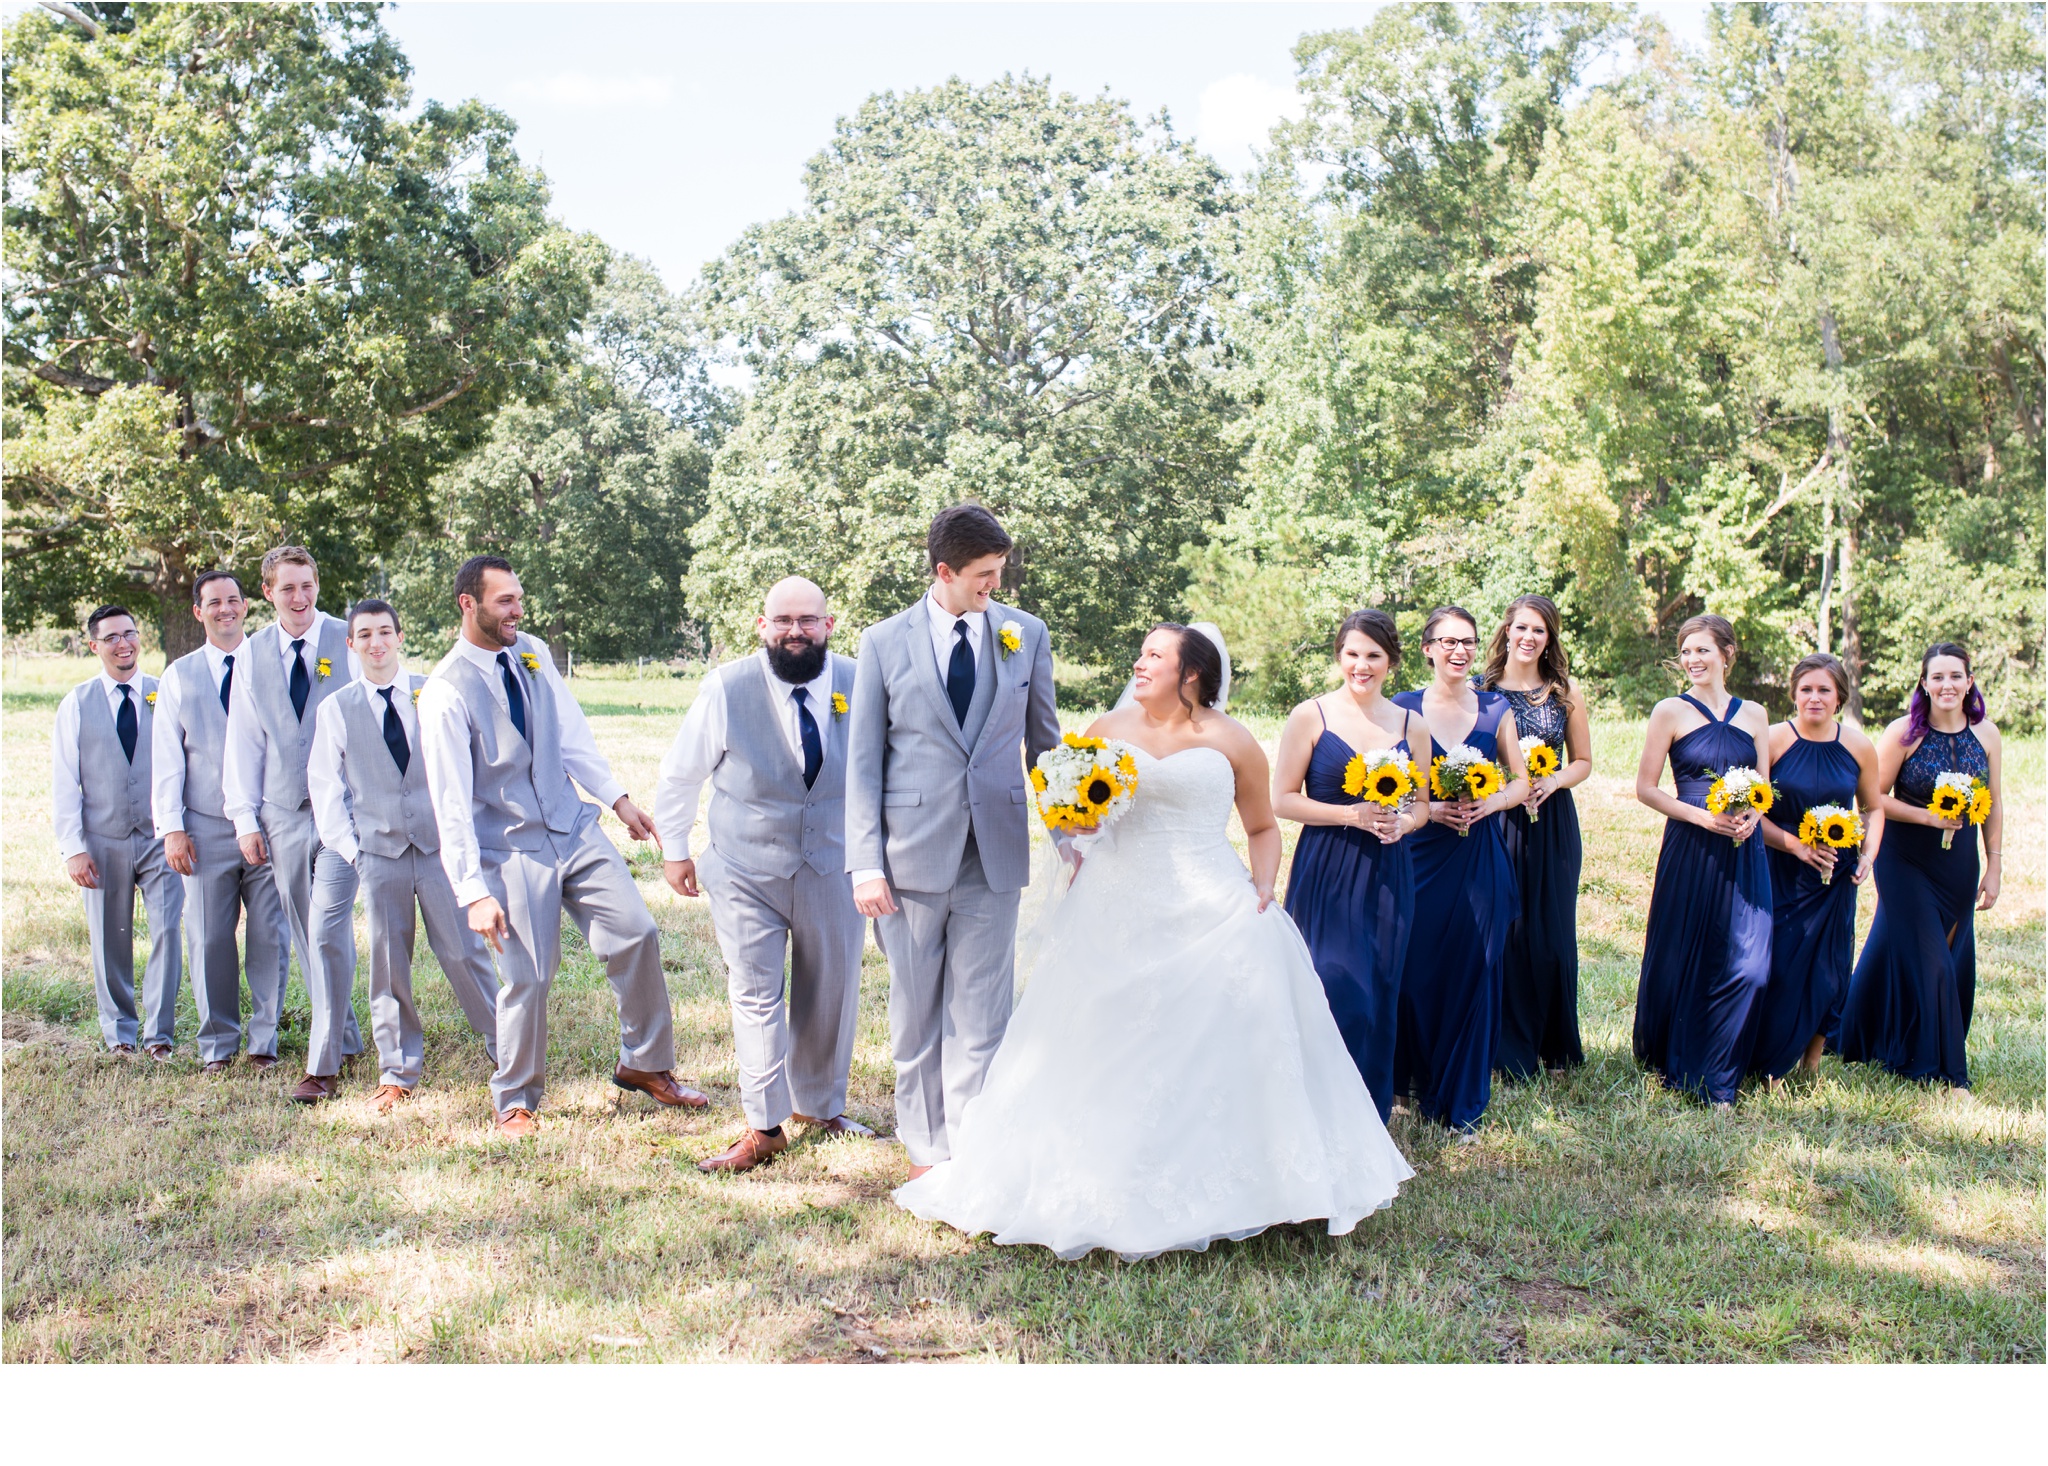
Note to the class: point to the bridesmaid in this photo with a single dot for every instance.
(1814, 760)
(1464, 891)
(1351, 889)
(1910, 997)
(1707, 952)
(1539, 990)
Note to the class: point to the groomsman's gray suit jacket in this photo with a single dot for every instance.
(916, 782)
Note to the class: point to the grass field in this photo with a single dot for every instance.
(158, 1214)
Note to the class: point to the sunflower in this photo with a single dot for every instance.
(1415, 777)
(1760, 798)
(1097, 789)
(1388, 784)
(1127, 770)
(1839, 831)
(1717, 797)
(1483, 780)
(1080, 740)
(1436, 778)
(1038, 780)
(1949, 803)
(1354, 776)
(1542, 761)
(1809, 828)
(1980, 804)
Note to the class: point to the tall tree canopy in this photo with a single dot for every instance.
(250, 298)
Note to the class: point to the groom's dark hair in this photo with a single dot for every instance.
(963, 534)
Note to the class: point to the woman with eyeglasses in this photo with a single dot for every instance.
(1465, 896)
(1539, 988)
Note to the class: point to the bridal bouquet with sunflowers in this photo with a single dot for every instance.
(1959, 796)
(1833, 826)
(1084, 784)
(1463, 772)
(1381, 776)
(1738, 788)
(1541, 760)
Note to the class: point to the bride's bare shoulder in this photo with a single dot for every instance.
(1113, 724)
(1232, 738)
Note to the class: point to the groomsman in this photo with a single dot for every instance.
(292, 666)
(188, 751)
(369, 786)
(100, 756)
(769, 736)
(502, 739)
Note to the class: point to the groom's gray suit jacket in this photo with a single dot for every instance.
(916, 782)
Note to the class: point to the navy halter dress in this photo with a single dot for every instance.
(1707, 952)
(1353, 899)
(1910, 997)
(1465, 900)
(1813, 926)
(1539, 990)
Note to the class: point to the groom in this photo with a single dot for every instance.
(950, 698)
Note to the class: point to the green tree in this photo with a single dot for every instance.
(251, 298)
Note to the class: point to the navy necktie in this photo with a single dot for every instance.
(124, 721)
(227, 680)
(394, 734)
(960, 674)
(515, 699)
(807, 729)
(301, 683)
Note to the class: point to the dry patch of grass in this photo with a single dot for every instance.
(155, 1213)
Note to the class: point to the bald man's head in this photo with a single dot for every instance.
(794, 625)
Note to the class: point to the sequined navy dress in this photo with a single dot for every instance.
(1539, 989)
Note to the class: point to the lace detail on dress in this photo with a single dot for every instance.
(1940, 753)
(1545, 720)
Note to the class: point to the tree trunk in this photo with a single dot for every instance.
(177, 625)
(558, 644)
(1852, 626)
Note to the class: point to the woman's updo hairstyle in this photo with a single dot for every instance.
(1717, 627)
(1376, 626)
(1829, 663)
(1199, 656)
(1440, 615)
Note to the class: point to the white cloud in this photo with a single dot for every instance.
(581, 89)
(1238, 112)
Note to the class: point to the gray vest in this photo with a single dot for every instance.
(203, 728)
(762, 818)
(984, 684)
(391, 811)
(521, 790)
(260, 675)
(116, 791)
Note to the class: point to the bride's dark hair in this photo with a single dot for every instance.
(1198, 655)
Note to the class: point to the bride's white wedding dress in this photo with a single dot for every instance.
(1172, 1074)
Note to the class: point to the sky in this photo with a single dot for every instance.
(668, 128)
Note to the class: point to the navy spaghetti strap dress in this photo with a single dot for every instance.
(1813, 926)
(1353, 899)
(1465, 900)
(1707, 952)
(1539, 989)
(1910, 997)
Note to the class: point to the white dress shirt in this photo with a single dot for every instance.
(167, 745)
(451, 781)
(326, 766)
(241, 782)
(701, 745)
(67, 799)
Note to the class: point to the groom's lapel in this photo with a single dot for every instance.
(917, 626)
(1006, 675)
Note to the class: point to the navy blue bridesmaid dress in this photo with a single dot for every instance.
(1707, 952)
(1813, 926)
(1465, 900)
(1353, 899)
(1910, 997)
(1539, 988)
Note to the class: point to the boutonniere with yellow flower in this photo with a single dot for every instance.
(838, 704)
(1010, 637)
(532, 662)
(324, 667)
(150, 698)
(416, 696)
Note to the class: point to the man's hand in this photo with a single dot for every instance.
(487, 920)
(82, 871)
(179, 852)
(254, 851)
(872, 898)
(637, 824)
(681, 876)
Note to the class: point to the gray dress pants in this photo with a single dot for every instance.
(128, 864)
(394, 888)
(584, 874)
(792, 1058)
(952, 979)
(221, 888)
(317, 890)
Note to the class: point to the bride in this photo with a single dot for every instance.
(1172, 1074)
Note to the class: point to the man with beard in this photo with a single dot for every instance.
(769, 735)
(502, 739)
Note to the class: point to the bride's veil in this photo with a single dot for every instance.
(1032, 946)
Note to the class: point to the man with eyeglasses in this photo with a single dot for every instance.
(768, 734)
(106, 836)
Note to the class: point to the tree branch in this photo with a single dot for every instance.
(73, 381)
(1787, 495)
(76, 16)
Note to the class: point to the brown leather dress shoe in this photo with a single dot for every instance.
(390, 1096)
(217, 1066)
(749, 1151)
(314, 1088)
(837, 1125)
(126, 1051)
(659, 1087)
(261, 1062)
(159, 1052)
(518, 1123)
